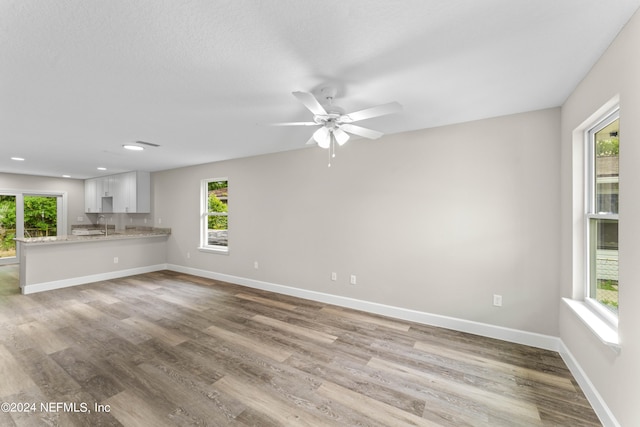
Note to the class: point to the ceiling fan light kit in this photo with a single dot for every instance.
(340, 136)
(322, 137)
(335, 125)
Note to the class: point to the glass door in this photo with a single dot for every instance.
(40, 216)
(7, 228)
(27, 215)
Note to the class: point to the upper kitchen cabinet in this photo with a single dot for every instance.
(128, 192)
(132, 192)
(91, 196)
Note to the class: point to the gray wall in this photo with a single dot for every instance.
(434, 220)
(616, 377)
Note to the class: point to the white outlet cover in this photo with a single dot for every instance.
(497, 300)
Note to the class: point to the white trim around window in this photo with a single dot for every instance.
(600, 320)
(214, 234)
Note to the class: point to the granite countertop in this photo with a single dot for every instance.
(112, 234)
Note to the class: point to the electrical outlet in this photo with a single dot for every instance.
(115, 259)
(334, 276)
(497, 300)
(352, 279)
(256, 265)
(80, 219)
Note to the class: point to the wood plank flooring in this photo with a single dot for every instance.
(165, 349)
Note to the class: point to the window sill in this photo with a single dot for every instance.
(221, 251)
(604, 331)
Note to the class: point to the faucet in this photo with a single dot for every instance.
(105, 223)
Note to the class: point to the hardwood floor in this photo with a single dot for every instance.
(171, 349)
(9, 281)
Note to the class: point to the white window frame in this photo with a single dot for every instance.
(204, 216)
(589, 213)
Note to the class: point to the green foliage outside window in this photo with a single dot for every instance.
(217, 222)
(40, 218)
(41, 214)
(608, 147)
(217, 203)
(7, 223)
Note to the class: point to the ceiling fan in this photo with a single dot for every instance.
(335, 125)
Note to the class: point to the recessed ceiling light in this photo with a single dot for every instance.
(18, 159)
(100, 168)
(132, 147)
(66, 176)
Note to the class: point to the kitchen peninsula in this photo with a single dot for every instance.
(48, 263)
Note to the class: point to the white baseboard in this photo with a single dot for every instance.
(599, 406)
(506, 334)
(75, 281)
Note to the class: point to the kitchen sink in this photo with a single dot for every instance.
(86, 232)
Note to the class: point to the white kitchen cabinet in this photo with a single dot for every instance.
(104, 186)
(94, 190)
(139, 192)
(119, 192)
(132, 192)
(128, 192)
(91, 196)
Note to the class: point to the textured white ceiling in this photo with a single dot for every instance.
(203, 78)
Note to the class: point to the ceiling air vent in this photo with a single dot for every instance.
(150, 144)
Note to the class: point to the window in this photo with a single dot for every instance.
(215, 215)
(601, 219)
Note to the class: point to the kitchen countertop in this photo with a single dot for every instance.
(128, 233)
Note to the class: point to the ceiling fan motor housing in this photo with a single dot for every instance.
(328, 93)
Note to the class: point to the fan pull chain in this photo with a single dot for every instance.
(332, 148)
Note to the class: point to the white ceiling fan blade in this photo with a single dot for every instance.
(368, 113)
(295, 124)
(310, 102)
(360, 131)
